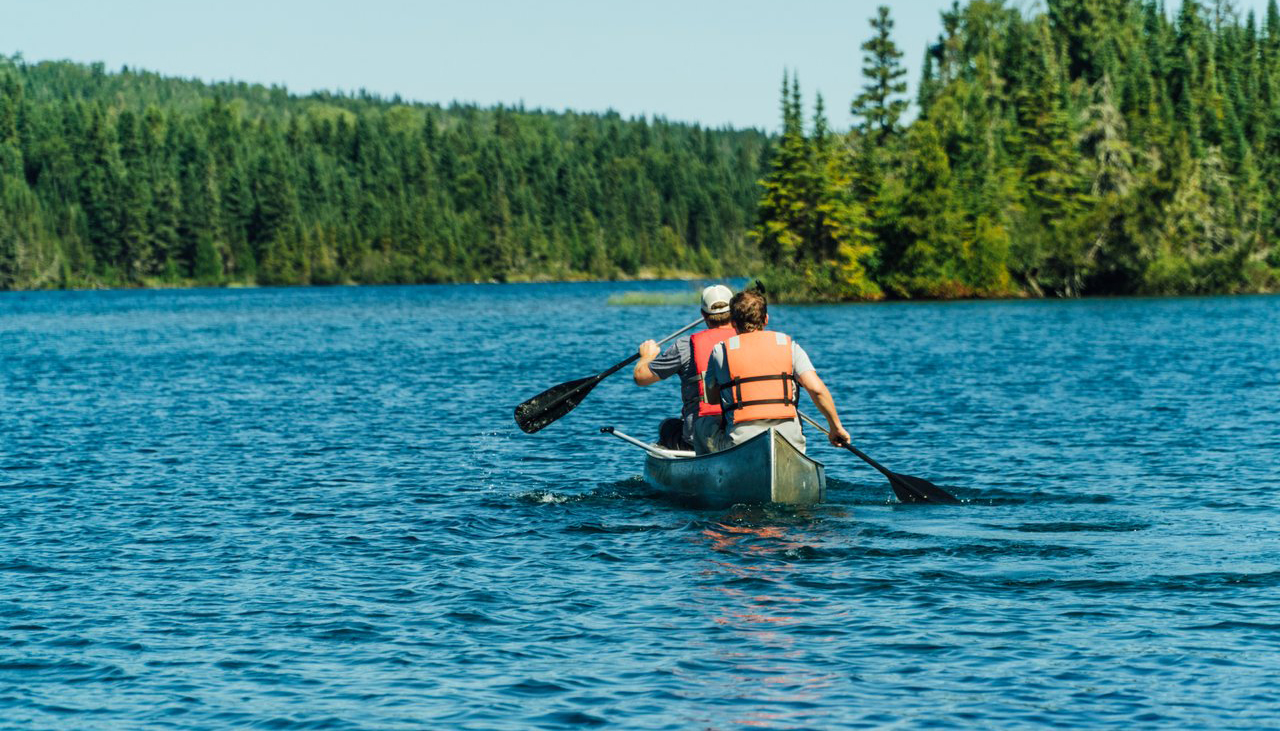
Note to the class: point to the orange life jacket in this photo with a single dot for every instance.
(702, 343)
(761, 379)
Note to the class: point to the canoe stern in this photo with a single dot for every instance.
(765, 469)
(797, 478)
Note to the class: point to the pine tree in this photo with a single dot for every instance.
(879, 105)
(846, 225)
(1051, 251)
(1112, 255)
(921, 237)
(779, 231)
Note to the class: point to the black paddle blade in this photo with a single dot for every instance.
(553, 403)
(911, 489)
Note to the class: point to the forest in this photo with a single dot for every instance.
(1097, 147)
(134, 179)
(1083, 147)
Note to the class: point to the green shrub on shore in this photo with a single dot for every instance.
(654, 298)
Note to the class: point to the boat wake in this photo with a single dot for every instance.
(629, 489)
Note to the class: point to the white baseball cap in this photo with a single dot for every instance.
(715, 299)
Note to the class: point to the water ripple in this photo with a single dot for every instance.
(309, 509)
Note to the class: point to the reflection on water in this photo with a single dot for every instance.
(762, 659)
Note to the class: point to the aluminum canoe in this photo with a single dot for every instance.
(764, 469)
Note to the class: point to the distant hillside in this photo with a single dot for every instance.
(134, 178)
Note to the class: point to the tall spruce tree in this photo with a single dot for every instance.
(780, 225)
(880, 104)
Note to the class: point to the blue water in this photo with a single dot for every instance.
(310, 508)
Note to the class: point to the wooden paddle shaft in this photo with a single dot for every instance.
(849, 447)
(908, 489)
(636, 356)
(820, 427)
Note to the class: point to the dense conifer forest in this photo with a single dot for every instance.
(1092, 147)
(1080, 147)
(132, 178)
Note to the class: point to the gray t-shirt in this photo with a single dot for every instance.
(718, 372)
(677, 359)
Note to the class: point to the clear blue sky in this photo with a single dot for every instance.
(710, 61)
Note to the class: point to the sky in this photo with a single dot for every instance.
(714, 62)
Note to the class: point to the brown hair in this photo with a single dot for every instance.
(719, 319)
(748, 309)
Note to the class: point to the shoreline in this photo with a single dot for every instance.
(617, 298)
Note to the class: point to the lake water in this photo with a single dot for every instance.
(311, 509)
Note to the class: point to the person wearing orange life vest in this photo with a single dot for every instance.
(753, 376)
(699, 424)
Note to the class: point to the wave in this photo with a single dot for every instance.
(1209, 582)
(1073, 527)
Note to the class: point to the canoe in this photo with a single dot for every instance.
(764, 469)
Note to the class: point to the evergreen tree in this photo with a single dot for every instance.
(879, 105)
(922, 240)
(780, 227)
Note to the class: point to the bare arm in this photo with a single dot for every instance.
(642, 374)
(822, 399)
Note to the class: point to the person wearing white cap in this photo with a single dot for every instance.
(701, 422)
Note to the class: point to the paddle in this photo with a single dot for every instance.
(908, 489)
(553, 403)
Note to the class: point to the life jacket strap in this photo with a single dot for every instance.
(748, 379)
(791, 395)
(787, 401)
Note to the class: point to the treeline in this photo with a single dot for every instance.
(131, 178)
(1094, 147)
